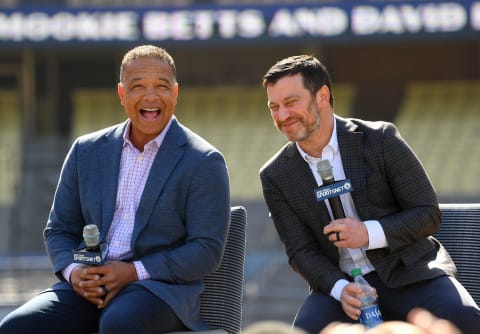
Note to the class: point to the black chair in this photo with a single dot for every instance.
(221, 301)
(460, 234)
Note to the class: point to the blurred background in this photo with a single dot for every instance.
(414, 63)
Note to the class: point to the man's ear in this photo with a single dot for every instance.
(120, 92)
(323, 95)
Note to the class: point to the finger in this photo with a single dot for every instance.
(86, 275)
(107, 299)
(90, 284)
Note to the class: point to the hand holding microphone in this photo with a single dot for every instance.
(350, 232)
(94, 254)
(325, 170)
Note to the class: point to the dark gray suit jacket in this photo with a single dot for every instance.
(181, 221)
(389, 185)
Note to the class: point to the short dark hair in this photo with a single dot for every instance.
(315, 74)
(147, 51)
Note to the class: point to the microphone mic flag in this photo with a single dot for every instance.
(325, 169)
(95, 252)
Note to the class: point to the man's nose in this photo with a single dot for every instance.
(283, 113)
(151, 93)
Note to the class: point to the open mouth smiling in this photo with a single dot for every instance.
(150, 113)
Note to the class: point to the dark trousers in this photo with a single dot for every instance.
(443, 296)
(133, 310)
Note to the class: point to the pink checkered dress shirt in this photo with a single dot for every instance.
(134, 169)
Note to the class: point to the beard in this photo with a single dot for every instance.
(308, 124)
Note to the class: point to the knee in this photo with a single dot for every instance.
(112, 323)
(12, 325)
(467, 319)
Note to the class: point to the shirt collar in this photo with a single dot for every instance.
(332, 146)
(158, 140)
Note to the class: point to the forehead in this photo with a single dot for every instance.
(147, 68)
(286, 86)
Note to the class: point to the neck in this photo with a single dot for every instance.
(316, 142)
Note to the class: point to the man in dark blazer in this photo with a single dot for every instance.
(159, 195)
(391, 212)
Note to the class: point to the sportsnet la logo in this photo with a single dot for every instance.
(335, 189)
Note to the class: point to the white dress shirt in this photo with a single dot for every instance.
(349, 258)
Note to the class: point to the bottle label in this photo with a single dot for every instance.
(371, 316)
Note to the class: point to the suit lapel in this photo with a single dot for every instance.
(300, 176)
(167, 158)
(110, 154)
(351, 149)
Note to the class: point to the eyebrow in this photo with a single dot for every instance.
(164, 79)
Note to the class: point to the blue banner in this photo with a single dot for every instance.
(327, 22)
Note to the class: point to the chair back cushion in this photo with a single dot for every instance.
(221, 301)
(460, 234)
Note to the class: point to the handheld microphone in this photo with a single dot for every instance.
(325, 170)
(91, 236)
(94, 252)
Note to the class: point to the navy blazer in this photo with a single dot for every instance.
(181, 221)
(389, 185)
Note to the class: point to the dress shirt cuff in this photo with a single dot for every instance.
(142, 273)
(338, 288)
(67, 271)
(376, 235)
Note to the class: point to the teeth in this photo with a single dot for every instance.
(150, 109)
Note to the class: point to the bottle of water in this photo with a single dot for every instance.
(370, 316)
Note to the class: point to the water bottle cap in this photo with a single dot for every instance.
(356, 272)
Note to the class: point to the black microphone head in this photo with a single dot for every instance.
(325, 169)
(91, 235)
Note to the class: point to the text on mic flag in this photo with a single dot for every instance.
(335, 189)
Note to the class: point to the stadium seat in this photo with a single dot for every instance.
(460, 234)
(440, 120)
(10, 144)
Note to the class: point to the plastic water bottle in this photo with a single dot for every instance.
(370, 316)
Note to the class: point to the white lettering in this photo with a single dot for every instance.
(283, 24)
(156, 25)
(227, 22)
(392, 20)
(325, 21)
(251, 23)
(411, 18)
(475, 16)
(430, 17)
(36, 26)
(65, 26)
(446, 17)
(182, 25)
(365, 20)
(204, 24)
